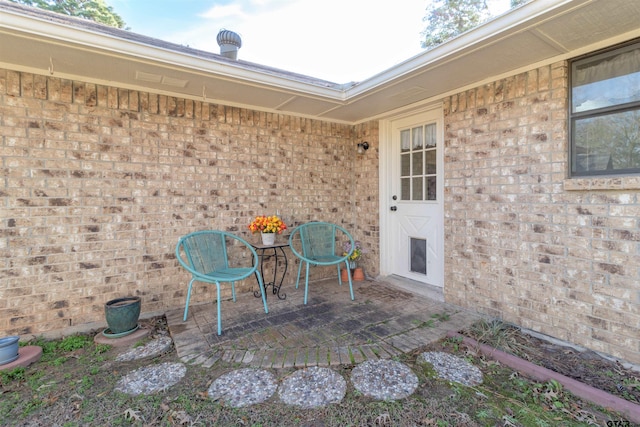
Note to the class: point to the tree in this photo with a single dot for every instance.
(449, 18)
(93, 10)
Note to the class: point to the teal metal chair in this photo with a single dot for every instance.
(320, 243)
(205, 254)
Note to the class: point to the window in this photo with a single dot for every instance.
(605, 112)
(418, 163)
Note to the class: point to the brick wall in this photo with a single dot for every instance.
(98, 184)
(365, 197)
(524, 243)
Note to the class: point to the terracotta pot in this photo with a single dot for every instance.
(357, 275)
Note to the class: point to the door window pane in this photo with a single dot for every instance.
(417, 138)
(430, 135)
(431, 188)
(405, 164)
(417, 163)
(416, 191)
(430, 161)
(405, 188)
(405, 141)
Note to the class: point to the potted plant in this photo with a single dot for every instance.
(268, 226)
(122, 316)
(356, 272)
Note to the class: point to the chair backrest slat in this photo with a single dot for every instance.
(318, 239)
(206, 251)
(320, 243)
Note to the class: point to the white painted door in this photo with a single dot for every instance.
(416, 198)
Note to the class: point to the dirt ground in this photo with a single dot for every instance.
(585, 366)
(73, 386)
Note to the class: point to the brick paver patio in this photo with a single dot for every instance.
(382, 322)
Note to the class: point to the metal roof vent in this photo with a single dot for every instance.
(229, 43)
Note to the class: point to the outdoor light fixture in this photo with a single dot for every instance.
(362, 147)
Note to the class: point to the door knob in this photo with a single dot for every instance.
(394, 208)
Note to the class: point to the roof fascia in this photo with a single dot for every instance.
(89, 39)
(517, 20)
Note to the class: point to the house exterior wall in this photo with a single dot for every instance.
(98, 184)
(523, 242)
(366, 197)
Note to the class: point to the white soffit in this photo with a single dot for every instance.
(541, 30)
(596, 21)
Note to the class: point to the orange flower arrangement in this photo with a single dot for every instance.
(267, 224)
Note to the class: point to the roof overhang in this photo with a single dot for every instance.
(540, 31)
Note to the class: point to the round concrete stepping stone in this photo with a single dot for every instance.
(452, 368)
(243, 387)
(312, 387)
(151, 349)
(384, 379)
(151, 379)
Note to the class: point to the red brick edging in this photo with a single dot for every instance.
(594, 395)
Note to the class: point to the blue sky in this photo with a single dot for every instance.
(335, 40)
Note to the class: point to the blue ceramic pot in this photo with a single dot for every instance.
(122, 314)
(8, 349)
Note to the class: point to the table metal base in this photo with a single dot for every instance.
(276, 251)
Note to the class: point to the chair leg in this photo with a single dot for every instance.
(339, 275)
(219, 313)
(233, 291)
(306, 285)
(264, 298)
(186, 306)
(350, 283)
(299, 271)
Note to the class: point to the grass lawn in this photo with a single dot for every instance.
(73, 385)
